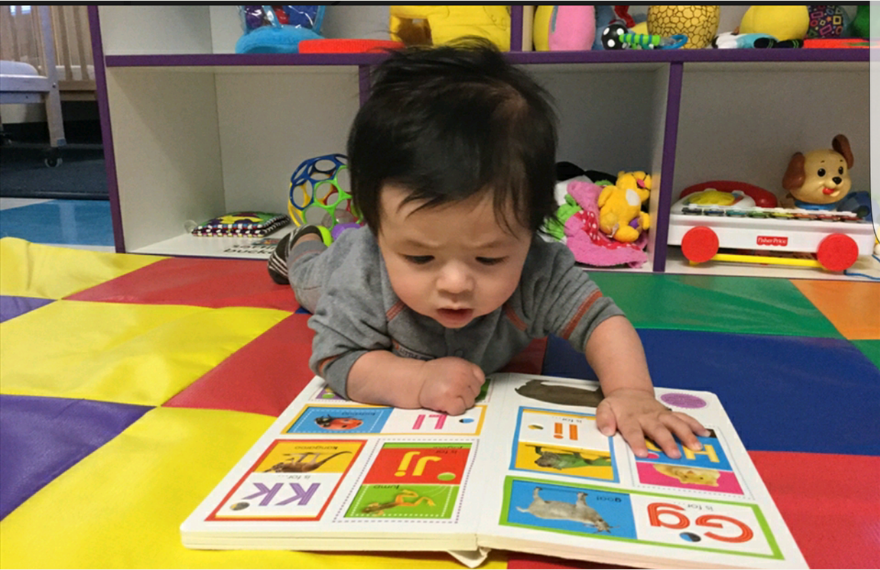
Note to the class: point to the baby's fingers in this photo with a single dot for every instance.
(695, 425)
(661, 435)
(684, 430)
(605, 420)
(632, 433)
(456, 407)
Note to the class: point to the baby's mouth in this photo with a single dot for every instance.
(456, 315)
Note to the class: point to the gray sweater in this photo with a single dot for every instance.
(357, 311)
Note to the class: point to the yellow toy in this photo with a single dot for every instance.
(782, 22)
(698, 22)
(541, 28)
(447, 23)
(713, 197)
(620, 206)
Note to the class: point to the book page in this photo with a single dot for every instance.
(557, 486)
(331, 474)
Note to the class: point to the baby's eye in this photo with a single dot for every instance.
(821, 172)
(419, 259)
(490, 260)
(840, 170)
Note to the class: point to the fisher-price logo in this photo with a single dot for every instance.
(773, 240)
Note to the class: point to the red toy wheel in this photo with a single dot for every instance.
(699, 244)
(837, 252)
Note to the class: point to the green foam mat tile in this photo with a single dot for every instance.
(870, 348)
(713, 303)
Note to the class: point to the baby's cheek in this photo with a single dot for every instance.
(505, 286)
(410, 290)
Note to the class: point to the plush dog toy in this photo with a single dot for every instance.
(820, 179)
(620, 206)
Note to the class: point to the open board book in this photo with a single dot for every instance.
(521, 471)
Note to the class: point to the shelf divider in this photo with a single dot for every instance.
(106, 131)
(667, 172)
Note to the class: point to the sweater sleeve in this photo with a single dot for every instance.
(559, 298)
(349, 319)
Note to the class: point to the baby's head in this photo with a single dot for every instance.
(452, 164)
(447, 123)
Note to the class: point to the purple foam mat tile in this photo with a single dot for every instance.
(11, 306)
(40, 438)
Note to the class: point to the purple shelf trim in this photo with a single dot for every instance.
(667, 167)
(693, 56)
(235, 59)
(106, 131)
(604, 56)
(516, 28)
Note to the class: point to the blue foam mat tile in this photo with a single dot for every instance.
(40, 438)
(795, 394)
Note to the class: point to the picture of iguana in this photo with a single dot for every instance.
(561, 460)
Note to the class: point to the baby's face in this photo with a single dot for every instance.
(454, 262)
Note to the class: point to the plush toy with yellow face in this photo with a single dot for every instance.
(620, 206)
(819, 180)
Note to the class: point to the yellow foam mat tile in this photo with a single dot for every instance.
(122, 506)
(853, 307)
(48, 272)
(116, 352)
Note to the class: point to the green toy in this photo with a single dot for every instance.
(556, 228)
(860, 27)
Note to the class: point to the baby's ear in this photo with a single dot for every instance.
(841, 145)
(794, 175)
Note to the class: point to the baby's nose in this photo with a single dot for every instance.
(837, 179)
(455, 279)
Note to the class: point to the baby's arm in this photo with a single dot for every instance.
(615, 353)
(446, 384)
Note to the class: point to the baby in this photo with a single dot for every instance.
(452, 163)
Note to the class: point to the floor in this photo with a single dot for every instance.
(130, 384)
(79, 224)
(159, 373)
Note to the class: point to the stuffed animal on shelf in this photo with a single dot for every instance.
(820, 179)
(788, 22)
(699, 23)
(620, 206)
(564, 28)
(860, 26)
(605, 14)
(447, 23)
(826, 21)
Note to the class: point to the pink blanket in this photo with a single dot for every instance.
(588, 243)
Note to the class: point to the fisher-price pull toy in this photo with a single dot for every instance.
(738, 216)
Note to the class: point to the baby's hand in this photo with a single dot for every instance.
(636, 414)
(450, 385)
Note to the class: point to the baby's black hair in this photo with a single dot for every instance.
(450, 122)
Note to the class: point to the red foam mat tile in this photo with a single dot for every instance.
(262, 377)
(831, 504)
(193, 281)
(530, 359)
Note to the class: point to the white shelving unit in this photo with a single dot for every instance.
(194, 143)
(198, 131)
